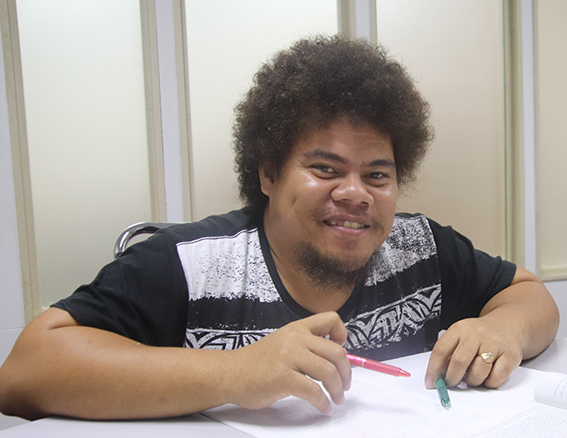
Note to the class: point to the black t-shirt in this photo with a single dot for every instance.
(213, 284)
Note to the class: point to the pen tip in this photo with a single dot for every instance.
(404, 373)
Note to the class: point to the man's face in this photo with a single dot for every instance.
(335, 197)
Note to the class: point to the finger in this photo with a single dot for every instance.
(327, 324)
(306, 389)
(502, 369)
(439, 359)
(460, 362)
(325, 372)
(336, 355)
(478, 372)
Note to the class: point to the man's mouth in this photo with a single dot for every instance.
(346, 224)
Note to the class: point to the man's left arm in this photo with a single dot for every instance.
(517, 323)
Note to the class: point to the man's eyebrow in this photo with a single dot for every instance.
(318, 153)
(383, 162)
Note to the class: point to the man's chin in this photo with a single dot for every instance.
(347, 261)
(331, 270)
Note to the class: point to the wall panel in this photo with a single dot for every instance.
(551, 138)
(455, 52)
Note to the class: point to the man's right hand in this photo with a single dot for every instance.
(289, 361)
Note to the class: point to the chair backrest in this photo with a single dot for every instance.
(135, 230)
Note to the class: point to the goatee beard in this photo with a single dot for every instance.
(330, 272)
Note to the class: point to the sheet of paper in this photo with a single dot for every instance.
(379, 404)
(551, 389)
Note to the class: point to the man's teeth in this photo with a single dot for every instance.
(348, 224)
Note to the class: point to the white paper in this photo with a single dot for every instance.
(551, 389)
(382, 405)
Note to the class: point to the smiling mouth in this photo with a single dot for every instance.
(347, 224)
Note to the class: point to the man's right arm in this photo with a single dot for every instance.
(58, 367)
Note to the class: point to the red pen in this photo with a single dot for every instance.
(376, 366)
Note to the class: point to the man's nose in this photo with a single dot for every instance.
(352, 189)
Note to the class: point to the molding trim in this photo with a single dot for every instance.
(167, 109)
(531, 256)
(357, 19)
(515, 223)
(182, 64)
(20, 158)
(153, 110)
(553, 274)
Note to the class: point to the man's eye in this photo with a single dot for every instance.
(377, 176)
(323, 169)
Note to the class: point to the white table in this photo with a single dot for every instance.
(197, 425)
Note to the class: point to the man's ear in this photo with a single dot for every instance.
(266, 180)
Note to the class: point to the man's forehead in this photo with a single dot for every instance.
(342, 125)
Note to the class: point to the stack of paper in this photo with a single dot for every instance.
(382, 405)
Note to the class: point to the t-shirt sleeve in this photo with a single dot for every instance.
(142, 295)
(469, 277)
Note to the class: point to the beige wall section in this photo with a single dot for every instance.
(455, 51)
(551, 143)
(84, 97)
(227, 41)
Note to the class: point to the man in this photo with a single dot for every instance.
(267, 300)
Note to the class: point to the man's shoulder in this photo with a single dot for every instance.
(223, 225)
(410, 217)
(410, 225)
(415, 230)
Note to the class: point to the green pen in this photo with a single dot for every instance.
(442, 391)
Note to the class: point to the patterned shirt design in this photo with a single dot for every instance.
(234, 300)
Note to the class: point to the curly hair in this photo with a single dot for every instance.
(307, 87)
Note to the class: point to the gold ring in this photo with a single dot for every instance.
(487, 357)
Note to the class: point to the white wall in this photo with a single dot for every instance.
(86, 125)
(551, 154)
